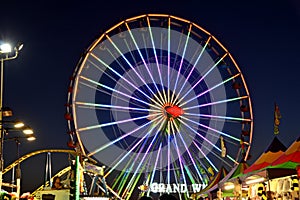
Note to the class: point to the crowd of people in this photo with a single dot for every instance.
(162, 197)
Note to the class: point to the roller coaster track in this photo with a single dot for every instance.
(21, 159)
(60, 173)
(64, 171)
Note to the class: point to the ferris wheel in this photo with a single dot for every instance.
(158, 99)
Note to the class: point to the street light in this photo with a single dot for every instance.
(29, 137)
(8, 128)
(6, 53)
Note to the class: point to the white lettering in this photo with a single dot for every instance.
(161, 188)
(183, 188)
(169, 188)
(154, 187)
(196, 187)
(174, 188)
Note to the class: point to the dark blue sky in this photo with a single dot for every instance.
(262, 36)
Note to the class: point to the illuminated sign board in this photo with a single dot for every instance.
(175, 188)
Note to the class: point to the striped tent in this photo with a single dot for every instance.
(290, 159)
(263, 165)
(274, 150)
(218, 177)
(239, 171)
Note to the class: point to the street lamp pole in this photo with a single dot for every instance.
(2, 131)
(18, 170)
(29, 137)
(5, 54)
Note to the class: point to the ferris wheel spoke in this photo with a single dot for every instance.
(103, 91)
(132, 80)
(181, 162)
(205, 139)
(181, 61)
(114, 107)
(119, 92)
(122, 137)
(215, 102)
(156, 59)
(218, 117)
(127, 61)
(98, 67)
(109, 94)
(127, 81)
(132, 161)
(205, 156)
(212, 129)
(194, 65)
(117, 122)
(123, 176)
(162, 35)
(169, 153)
(193, 129)
(137, 144)
(169, 63)
(189, 153)
(208, 141)
(204, 146)
(145, 154)
(132, 183)
(139, 70)
(174, 64)
(216, 155)
(145, 64)
(155, 167)
(202, 78)
(208, 90)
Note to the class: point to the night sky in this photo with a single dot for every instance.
(262, 36)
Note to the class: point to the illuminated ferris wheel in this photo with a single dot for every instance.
(158, 99)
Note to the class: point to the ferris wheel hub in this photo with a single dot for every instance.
(173, 111)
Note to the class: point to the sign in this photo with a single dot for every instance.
(175, 188)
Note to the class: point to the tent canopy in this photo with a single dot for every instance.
(274, 150)
(234, 173)
(214, 183)
(290, 159)
(239, 171)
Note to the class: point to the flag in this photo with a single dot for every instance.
(277, 117)
(211, 172)
(223, 147)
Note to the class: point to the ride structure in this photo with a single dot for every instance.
(162, 104)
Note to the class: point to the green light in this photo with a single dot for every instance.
(77, 180)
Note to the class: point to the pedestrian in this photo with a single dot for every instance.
(56, 185)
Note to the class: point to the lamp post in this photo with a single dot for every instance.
(29, 137)
(6, 53)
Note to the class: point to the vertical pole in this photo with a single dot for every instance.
(2, 59)
(1, 124)
(13, 178)
(18, 171)
(77, 178)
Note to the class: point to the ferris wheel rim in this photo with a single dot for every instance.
(74, 127)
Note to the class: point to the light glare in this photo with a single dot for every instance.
(19, 125)
(255, 180)
(5, 48)
(28, 131)
(31, 138)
